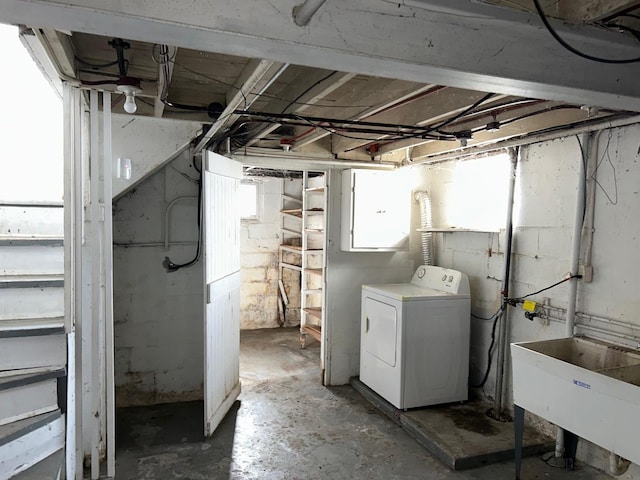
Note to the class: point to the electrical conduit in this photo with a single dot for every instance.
(502, 335)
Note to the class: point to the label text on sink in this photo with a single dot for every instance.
(581, 384)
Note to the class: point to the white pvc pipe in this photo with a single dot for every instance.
(578, 221)
(302, 13)
(503, 325)
(592, 172)
(574, 262)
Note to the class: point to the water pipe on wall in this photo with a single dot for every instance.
(574, 263)
(503, 326)
(586, 142)
(426, 223)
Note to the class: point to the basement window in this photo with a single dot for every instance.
(250, 201)
(478, 194)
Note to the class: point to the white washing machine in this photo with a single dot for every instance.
(414, 348)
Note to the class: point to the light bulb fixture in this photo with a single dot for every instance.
(130, 87)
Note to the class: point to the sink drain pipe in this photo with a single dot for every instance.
(514, 153)
(585, 143)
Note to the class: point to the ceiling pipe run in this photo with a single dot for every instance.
(527, 140)
(302, 13)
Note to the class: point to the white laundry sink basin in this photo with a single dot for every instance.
(586, 386)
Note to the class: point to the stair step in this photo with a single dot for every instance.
(31, 327)
(25, 443)
(27, 241)
(20, 352)
(25, 395)
(32, 281)
(29, 221)
(31, 260)
(31, 302)
(51, 468)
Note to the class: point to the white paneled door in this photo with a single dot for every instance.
(221, 219)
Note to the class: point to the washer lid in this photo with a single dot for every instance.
(407, 292)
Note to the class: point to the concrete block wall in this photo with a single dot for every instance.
(158, 315)
(259, 255)
(547, 182)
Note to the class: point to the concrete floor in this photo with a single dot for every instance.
(286, 425)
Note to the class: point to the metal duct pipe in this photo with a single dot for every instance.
(426, 223)
(302, 13)
(503, 325)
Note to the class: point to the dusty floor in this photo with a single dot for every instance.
(286, 425)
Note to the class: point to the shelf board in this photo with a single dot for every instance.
(314, 189)
(314, 271)
(290, 266)
(291, 248)
(456, 229)
(314, 312)
(313, 291)
(314, 230)
(313, 330)
(292, 212)
(315, 211)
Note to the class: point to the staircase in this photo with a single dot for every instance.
(33, 345)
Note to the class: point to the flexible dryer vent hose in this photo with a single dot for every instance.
(426, 223)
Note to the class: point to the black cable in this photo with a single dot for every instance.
(264, 95)
(292, 102)
(97, 66)
(486, 318)
(518, 299)
(584, 167)
(497, 316)
(174, 267)
(574, 50)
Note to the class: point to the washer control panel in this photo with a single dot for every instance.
(443, 279)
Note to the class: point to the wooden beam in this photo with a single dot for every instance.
(367, 113)
(61, 46)
(589, 11)
(454, 42)
(316, 92)
(255, 78)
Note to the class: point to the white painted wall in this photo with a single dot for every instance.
(158, 315)
(346, 272)
(546, 193)
(163, 139)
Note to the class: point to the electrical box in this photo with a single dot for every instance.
(376, 211)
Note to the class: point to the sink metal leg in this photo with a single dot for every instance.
(570, 448)
(518, 420)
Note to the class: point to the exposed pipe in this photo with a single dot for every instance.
(302, 13)
(426, 223)
(574, 262)
(592, 172)
(578, 222)
(527, 140)
(514, 153)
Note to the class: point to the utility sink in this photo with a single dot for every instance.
(588, 387)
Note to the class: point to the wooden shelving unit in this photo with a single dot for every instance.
(312, 257)
(302, 250)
